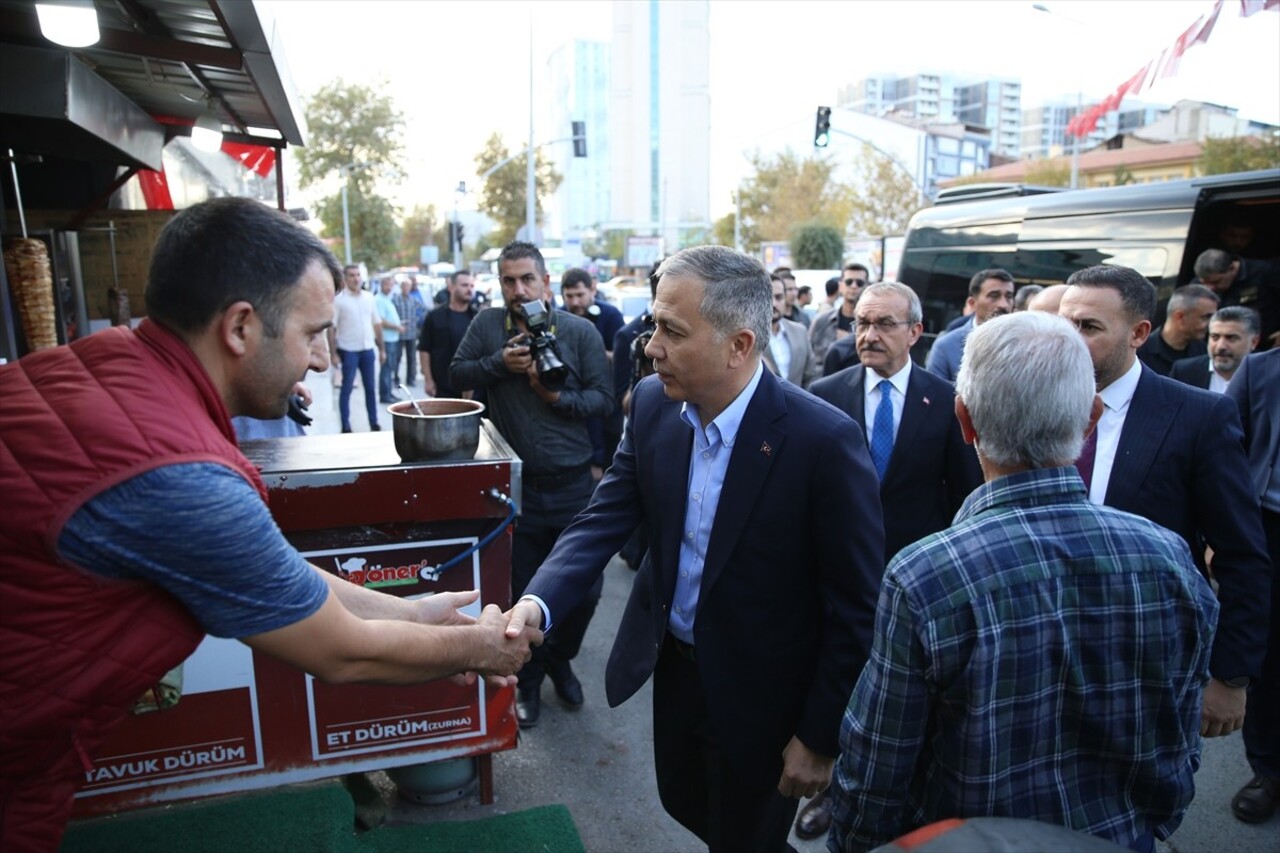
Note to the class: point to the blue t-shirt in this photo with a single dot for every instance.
(202, 532)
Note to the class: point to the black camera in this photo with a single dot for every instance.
(641, 364)
(543, 347)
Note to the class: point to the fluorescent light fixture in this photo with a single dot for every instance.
(206, 134)
(70, 23)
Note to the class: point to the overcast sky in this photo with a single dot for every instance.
(460, 70)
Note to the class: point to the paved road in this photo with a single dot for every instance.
(598, 761)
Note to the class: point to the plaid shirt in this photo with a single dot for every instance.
(411, 311)
(1042, 658)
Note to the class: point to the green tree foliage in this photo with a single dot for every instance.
(375, 236)
(503, 195)
(886, 196)
(352, 123)
(1122, 176)
(423, 227)
(816, 246)
(1053, 172)
(786, 190)
(722, 230)
(1240, 154)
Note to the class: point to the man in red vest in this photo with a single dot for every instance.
(134, 526)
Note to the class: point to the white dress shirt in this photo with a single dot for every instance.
(1115, 398)
(871, 401)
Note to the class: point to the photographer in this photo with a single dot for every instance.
(545, 373)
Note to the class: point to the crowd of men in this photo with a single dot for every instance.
(1024, 579)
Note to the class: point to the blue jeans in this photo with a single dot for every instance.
(364, 361)
(387, 373)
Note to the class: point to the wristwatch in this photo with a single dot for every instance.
(1237, 682)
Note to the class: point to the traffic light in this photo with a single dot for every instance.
(822, 128)
(579, 139)
(453, 234)
(460, 232)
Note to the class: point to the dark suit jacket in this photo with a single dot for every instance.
(843, 353)
(789, 587)
(1181, 463)
(1256, 389)
(931, 470)
(1193, 371)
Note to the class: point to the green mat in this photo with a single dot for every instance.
(314, 818)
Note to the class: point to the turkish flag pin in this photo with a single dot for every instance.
(766, 449)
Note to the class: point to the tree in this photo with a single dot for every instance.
(422, 228)
(886, 195)
(1240, 154)
(504, 193)
(1055, 172)
(816, 246)
(785, 190)
(355, 124)
(375, 235)
(722, 230)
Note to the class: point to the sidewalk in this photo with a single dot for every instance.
(599, 761)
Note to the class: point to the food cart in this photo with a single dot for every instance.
(245, 720)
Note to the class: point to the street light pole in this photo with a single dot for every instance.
(344, 173)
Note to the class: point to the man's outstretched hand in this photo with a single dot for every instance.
(525, 615)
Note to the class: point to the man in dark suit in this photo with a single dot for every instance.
(928, 469)
(1174, 454)
(1256, 390)
(1234, 332)
(753, 608)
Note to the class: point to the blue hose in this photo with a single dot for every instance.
(488, 537)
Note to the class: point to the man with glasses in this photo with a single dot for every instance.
(835, 325)
(926, 469)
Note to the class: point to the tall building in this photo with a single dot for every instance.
(927, 152)
(578, 87)
(996, 105)
(660, 118)
(937, 98)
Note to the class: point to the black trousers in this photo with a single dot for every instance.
(696, 784)
(546, 513)
(1262, 716)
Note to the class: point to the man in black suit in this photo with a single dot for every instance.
(1256, 390)
(928, 470)
(753, 608)
(1234, 332)
(1174, 454)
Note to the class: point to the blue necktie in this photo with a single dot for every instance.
(882, 430)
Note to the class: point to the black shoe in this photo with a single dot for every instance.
(815, 818)
(528, 707)
(567, 685)
(1257, 801)
(346, 429)
(375, 427)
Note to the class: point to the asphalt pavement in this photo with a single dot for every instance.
(598, 761)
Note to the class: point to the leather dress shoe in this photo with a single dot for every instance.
(528, 707)
(1257, 801)
(815, 818)
(567, 685)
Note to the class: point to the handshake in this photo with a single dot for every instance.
(498, 644)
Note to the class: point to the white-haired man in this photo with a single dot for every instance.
(1043, 658)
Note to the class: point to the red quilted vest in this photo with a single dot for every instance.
(78, 648)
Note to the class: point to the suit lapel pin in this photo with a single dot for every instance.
(765, 448)
(925, 400)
